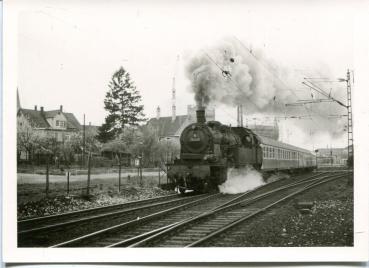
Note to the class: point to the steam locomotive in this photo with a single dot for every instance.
(209, 149)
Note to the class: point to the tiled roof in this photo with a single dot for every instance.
(52, 113)
(165, 126)
(72, 121)
(94, 130)
(36, 118)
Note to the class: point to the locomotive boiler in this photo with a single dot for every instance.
(209, 149)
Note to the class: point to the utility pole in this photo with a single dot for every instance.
(84, 140)
(350, 139)
(88, 174)
(119, 173)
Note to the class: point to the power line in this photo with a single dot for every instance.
(321, 91)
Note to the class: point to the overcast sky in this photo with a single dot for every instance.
(68, 51)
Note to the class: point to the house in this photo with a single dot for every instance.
(56, 123)
(38, 123)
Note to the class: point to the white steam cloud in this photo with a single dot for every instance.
(241, 180)
(229, 74)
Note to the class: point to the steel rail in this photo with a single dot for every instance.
(244, 194)
(101, 216)
(230, 225)
(81, 211)
(152, 232)
(152, 235)
(151, 216)
(130, 223)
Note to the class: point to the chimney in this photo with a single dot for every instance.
(61, 108)
(158, 113)
(35, 107)
(42, 109)
(200, 114)
(173, 113)
(174, 100)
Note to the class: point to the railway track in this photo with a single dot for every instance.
(44, 231)
(197, 230)
(36, 222)
(130, 232)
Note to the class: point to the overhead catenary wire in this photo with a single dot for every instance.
(321, 91)
(309, 113)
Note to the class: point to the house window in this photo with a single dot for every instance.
(57, 123)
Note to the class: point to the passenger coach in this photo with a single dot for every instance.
(281, 156)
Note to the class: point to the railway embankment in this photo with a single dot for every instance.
(61, 204)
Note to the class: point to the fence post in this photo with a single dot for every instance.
(68, 182)
(47, 176)
(119, 172)
(141, 171)
(88, 174)
(159, 177)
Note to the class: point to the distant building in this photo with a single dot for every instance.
(331, 156)
(271, 132)
(171, 127)
(92, 130)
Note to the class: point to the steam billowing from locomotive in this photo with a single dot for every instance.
(241, 180)
(229, 74)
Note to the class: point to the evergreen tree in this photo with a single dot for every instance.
(122, 102)
(107, 132)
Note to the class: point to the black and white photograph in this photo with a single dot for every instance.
(163, 125)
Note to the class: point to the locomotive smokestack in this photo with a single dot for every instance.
(200, 114)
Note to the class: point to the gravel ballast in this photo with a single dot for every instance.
(61, 204)
(328, 223)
